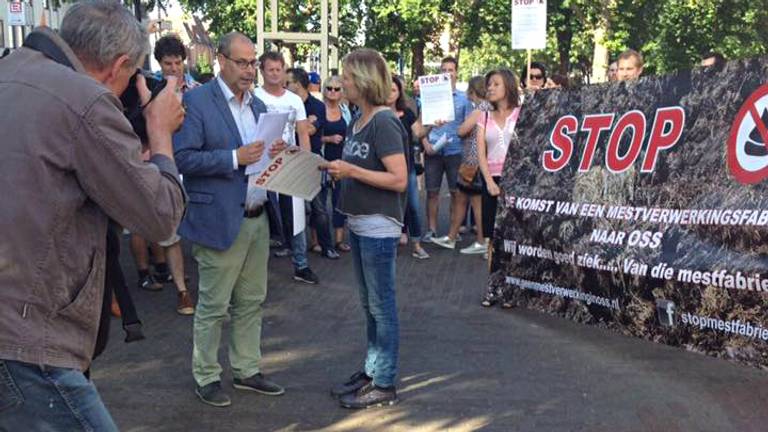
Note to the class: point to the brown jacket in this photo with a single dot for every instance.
(69, 160)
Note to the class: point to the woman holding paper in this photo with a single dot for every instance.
(374, 178)
(494, 132)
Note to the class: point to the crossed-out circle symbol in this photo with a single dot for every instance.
(747, 148)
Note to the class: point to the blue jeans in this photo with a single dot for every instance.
(298, 242)
(412, 209)
(374, 262)
(321, 220)
(49, 399)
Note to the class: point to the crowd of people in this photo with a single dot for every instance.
(84, 172)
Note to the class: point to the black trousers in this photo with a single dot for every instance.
(490, 204)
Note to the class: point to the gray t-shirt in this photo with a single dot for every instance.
(384, 135)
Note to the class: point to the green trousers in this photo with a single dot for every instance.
(234, 281)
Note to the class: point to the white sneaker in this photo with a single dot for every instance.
(428, 236)
(475, 248)
(445, 242)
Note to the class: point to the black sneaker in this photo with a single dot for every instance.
(258, 384)
(213, 395)
(164, 277)
(355, 382)
(306, 275)
(369, 396)
(148, 282)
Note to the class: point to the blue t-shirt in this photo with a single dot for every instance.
(462, 107)
(314, 107)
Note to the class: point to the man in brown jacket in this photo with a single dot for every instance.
(69, 160)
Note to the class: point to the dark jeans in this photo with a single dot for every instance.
(338, 217)
(321, 220)
(412, 209)
(374, 263)
(49, 399)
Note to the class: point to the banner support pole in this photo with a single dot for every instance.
(528, 77)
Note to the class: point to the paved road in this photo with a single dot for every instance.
(463, 368)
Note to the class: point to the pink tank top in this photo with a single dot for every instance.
(497, 139)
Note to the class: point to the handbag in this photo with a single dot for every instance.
(470, 178)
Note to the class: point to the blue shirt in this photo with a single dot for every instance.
(462, 107)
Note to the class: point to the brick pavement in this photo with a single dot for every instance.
(463, 368)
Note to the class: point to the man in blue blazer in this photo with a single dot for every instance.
(226, 220)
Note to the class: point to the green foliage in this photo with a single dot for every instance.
(202, 66)
(672, 34)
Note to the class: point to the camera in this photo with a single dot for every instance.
(132, 107)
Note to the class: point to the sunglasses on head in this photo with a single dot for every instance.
(335, 89)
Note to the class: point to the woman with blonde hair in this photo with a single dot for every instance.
(337, 118)
(374, 178)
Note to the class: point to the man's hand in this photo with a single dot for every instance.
(428, 149)
(312, 118)
(164, 115)
(335, 139)
(440, 123)
(277, 146)
(338, 169)
(250, 153)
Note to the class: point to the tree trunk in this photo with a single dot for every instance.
(417, 59)
(564, 42)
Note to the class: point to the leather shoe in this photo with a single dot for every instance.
(369, 396)
(258, 384)
(356, 381)
(213, 395)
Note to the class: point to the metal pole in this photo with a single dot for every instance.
(324, 40)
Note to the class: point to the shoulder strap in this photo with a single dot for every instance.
(40, 42)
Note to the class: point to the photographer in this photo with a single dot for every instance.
(70, 160)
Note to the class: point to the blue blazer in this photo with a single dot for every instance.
(203, 151)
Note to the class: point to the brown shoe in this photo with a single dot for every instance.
(185, 305)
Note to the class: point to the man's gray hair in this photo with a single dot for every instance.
(100, 31)
(225, 43)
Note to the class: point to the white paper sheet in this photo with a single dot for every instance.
(293, 172)
(436, 98)
(268, 129)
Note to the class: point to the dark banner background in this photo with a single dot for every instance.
(692, 175)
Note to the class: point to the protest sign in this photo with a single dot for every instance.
(643, 206)
(436, 98)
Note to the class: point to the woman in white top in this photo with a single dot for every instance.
(494, 133)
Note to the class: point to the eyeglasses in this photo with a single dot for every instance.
(537, 77)
(332, 89)
(243, 64)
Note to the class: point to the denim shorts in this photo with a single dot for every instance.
(437, 165)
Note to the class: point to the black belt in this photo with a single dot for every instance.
(254, 212)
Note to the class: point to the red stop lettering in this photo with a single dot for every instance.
(674, 117)
(593, 125)
(562, 143)
(615, 162)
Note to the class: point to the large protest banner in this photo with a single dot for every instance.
(642, 206)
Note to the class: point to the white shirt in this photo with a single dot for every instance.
(246, 126)
(288, 102)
